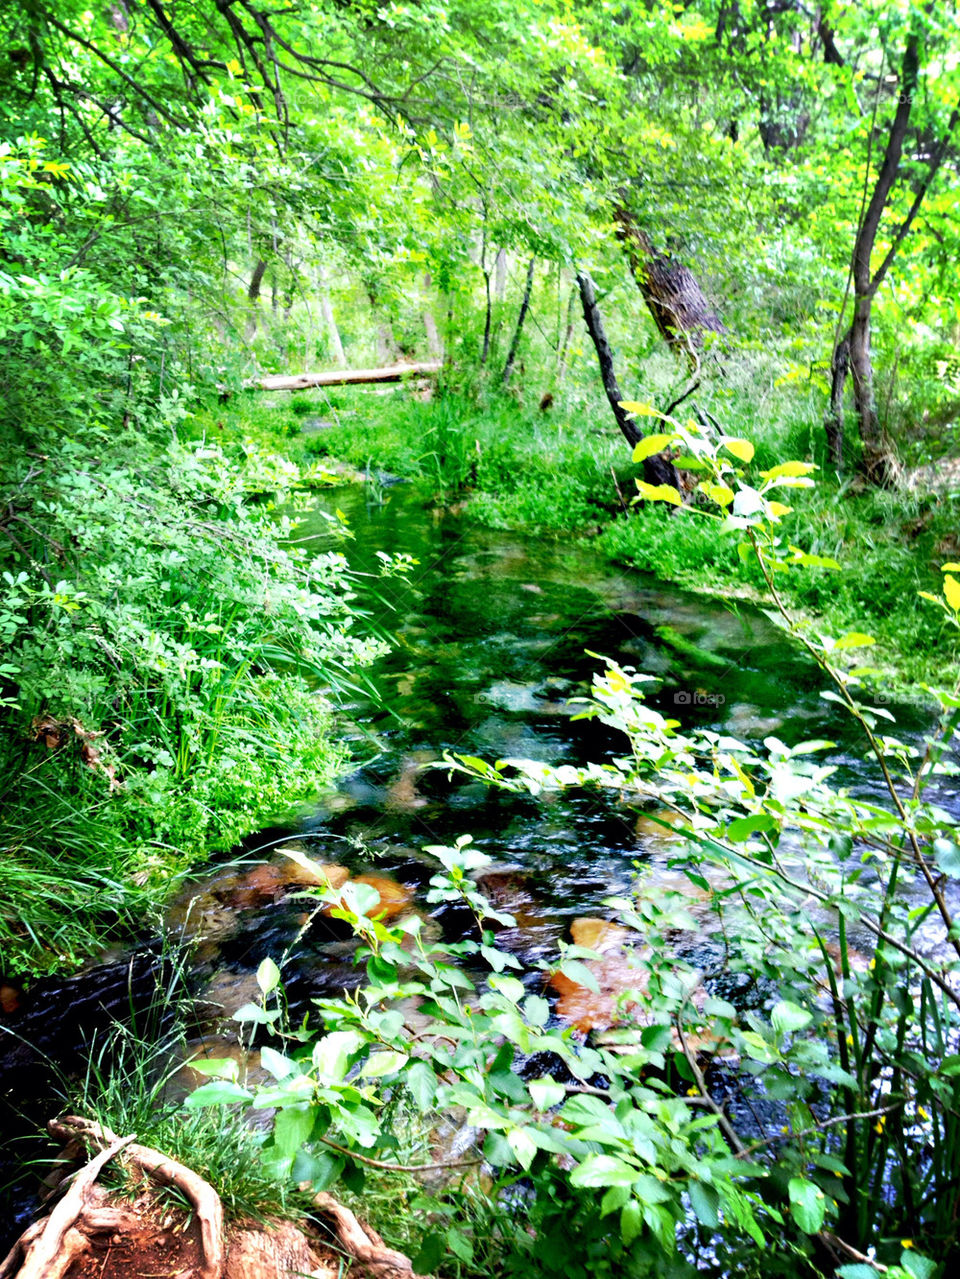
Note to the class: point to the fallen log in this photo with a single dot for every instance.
(343, 377)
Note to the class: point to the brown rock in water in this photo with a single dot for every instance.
(10, 997)
(402, 793)
(598, 934)
(623, 978)
(271, 880)
(508, 891)
(618, 975)
(660, 826)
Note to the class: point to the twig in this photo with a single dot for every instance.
(388, 1167)
(725, 1124)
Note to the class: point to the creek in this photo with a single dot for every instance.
(492, 633)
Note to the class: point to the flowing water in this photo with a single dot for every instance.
(492, 633)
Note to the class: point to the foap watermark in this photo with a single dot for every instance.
(697, 697)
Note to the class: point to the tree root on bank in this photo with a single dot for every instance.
(61, 1243)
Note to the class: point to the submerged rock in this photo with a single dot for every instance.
(395, 898)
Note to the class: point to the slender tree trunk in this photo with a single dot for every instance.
(500, 275)
(833, 424)
(671, 291)
(524, 308)
(253, 296)
(568, 334)
(333, 333)
(657, 469)
(878, 463)
(487, 321)
(386, 343)
(434, 345)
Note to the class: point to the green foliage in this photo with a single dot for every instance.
(133, 1084)
(638, 1145)
(167, 652)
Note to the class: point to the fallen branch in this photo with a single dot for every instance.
(343, 377)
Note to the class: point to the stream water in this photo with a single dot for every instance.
(491, 634)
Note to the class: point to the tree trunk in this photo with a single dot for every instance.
(657, 469)
(876, 459)
(345, 377)
(500, 275)
(673, 297)
(434, 345)
(333, 333)
(487, 320)
(833, 425)
(524, 308)
(253, 296)
(878, 463)
(567, 335)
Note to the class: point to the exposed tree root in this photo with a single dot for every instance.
(202, 1196)
(86, 1221)
(362, 1243)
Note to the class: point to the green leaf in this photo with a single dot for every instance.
(546, 1092)
(292, 1128)
(651, 444)
(432, 1251)
(808, 1204)
(268, 976)
(741, 449)
(320, 1170)
(658, 493)
(580, 974)
(917, 1265)
(459, 1244)
(631, 1222)
(742, 828)
(522, 1146)
(705, 1202)
(788, 1018)
(220, 1092)
(510, 987)
(788, 470)
(217, 1067)
(603, 1170)
(947, 856)
(422, 1083)
(275, 1063)
(257, 1015)
(853, 639)
(331, 1055)
(384, 1063)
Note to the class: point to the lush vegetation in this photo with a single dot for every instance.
(752, 209)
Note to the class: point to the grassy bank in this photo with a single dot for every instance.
(566, 471)
(167, 666)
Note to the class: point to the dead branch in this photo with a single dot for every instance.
(344, 377)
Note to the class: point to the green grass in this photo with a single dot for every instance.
(564, 472)
(129, 1085)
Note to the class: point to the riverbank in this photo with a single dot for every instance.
(170, 666)
(565, 472)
